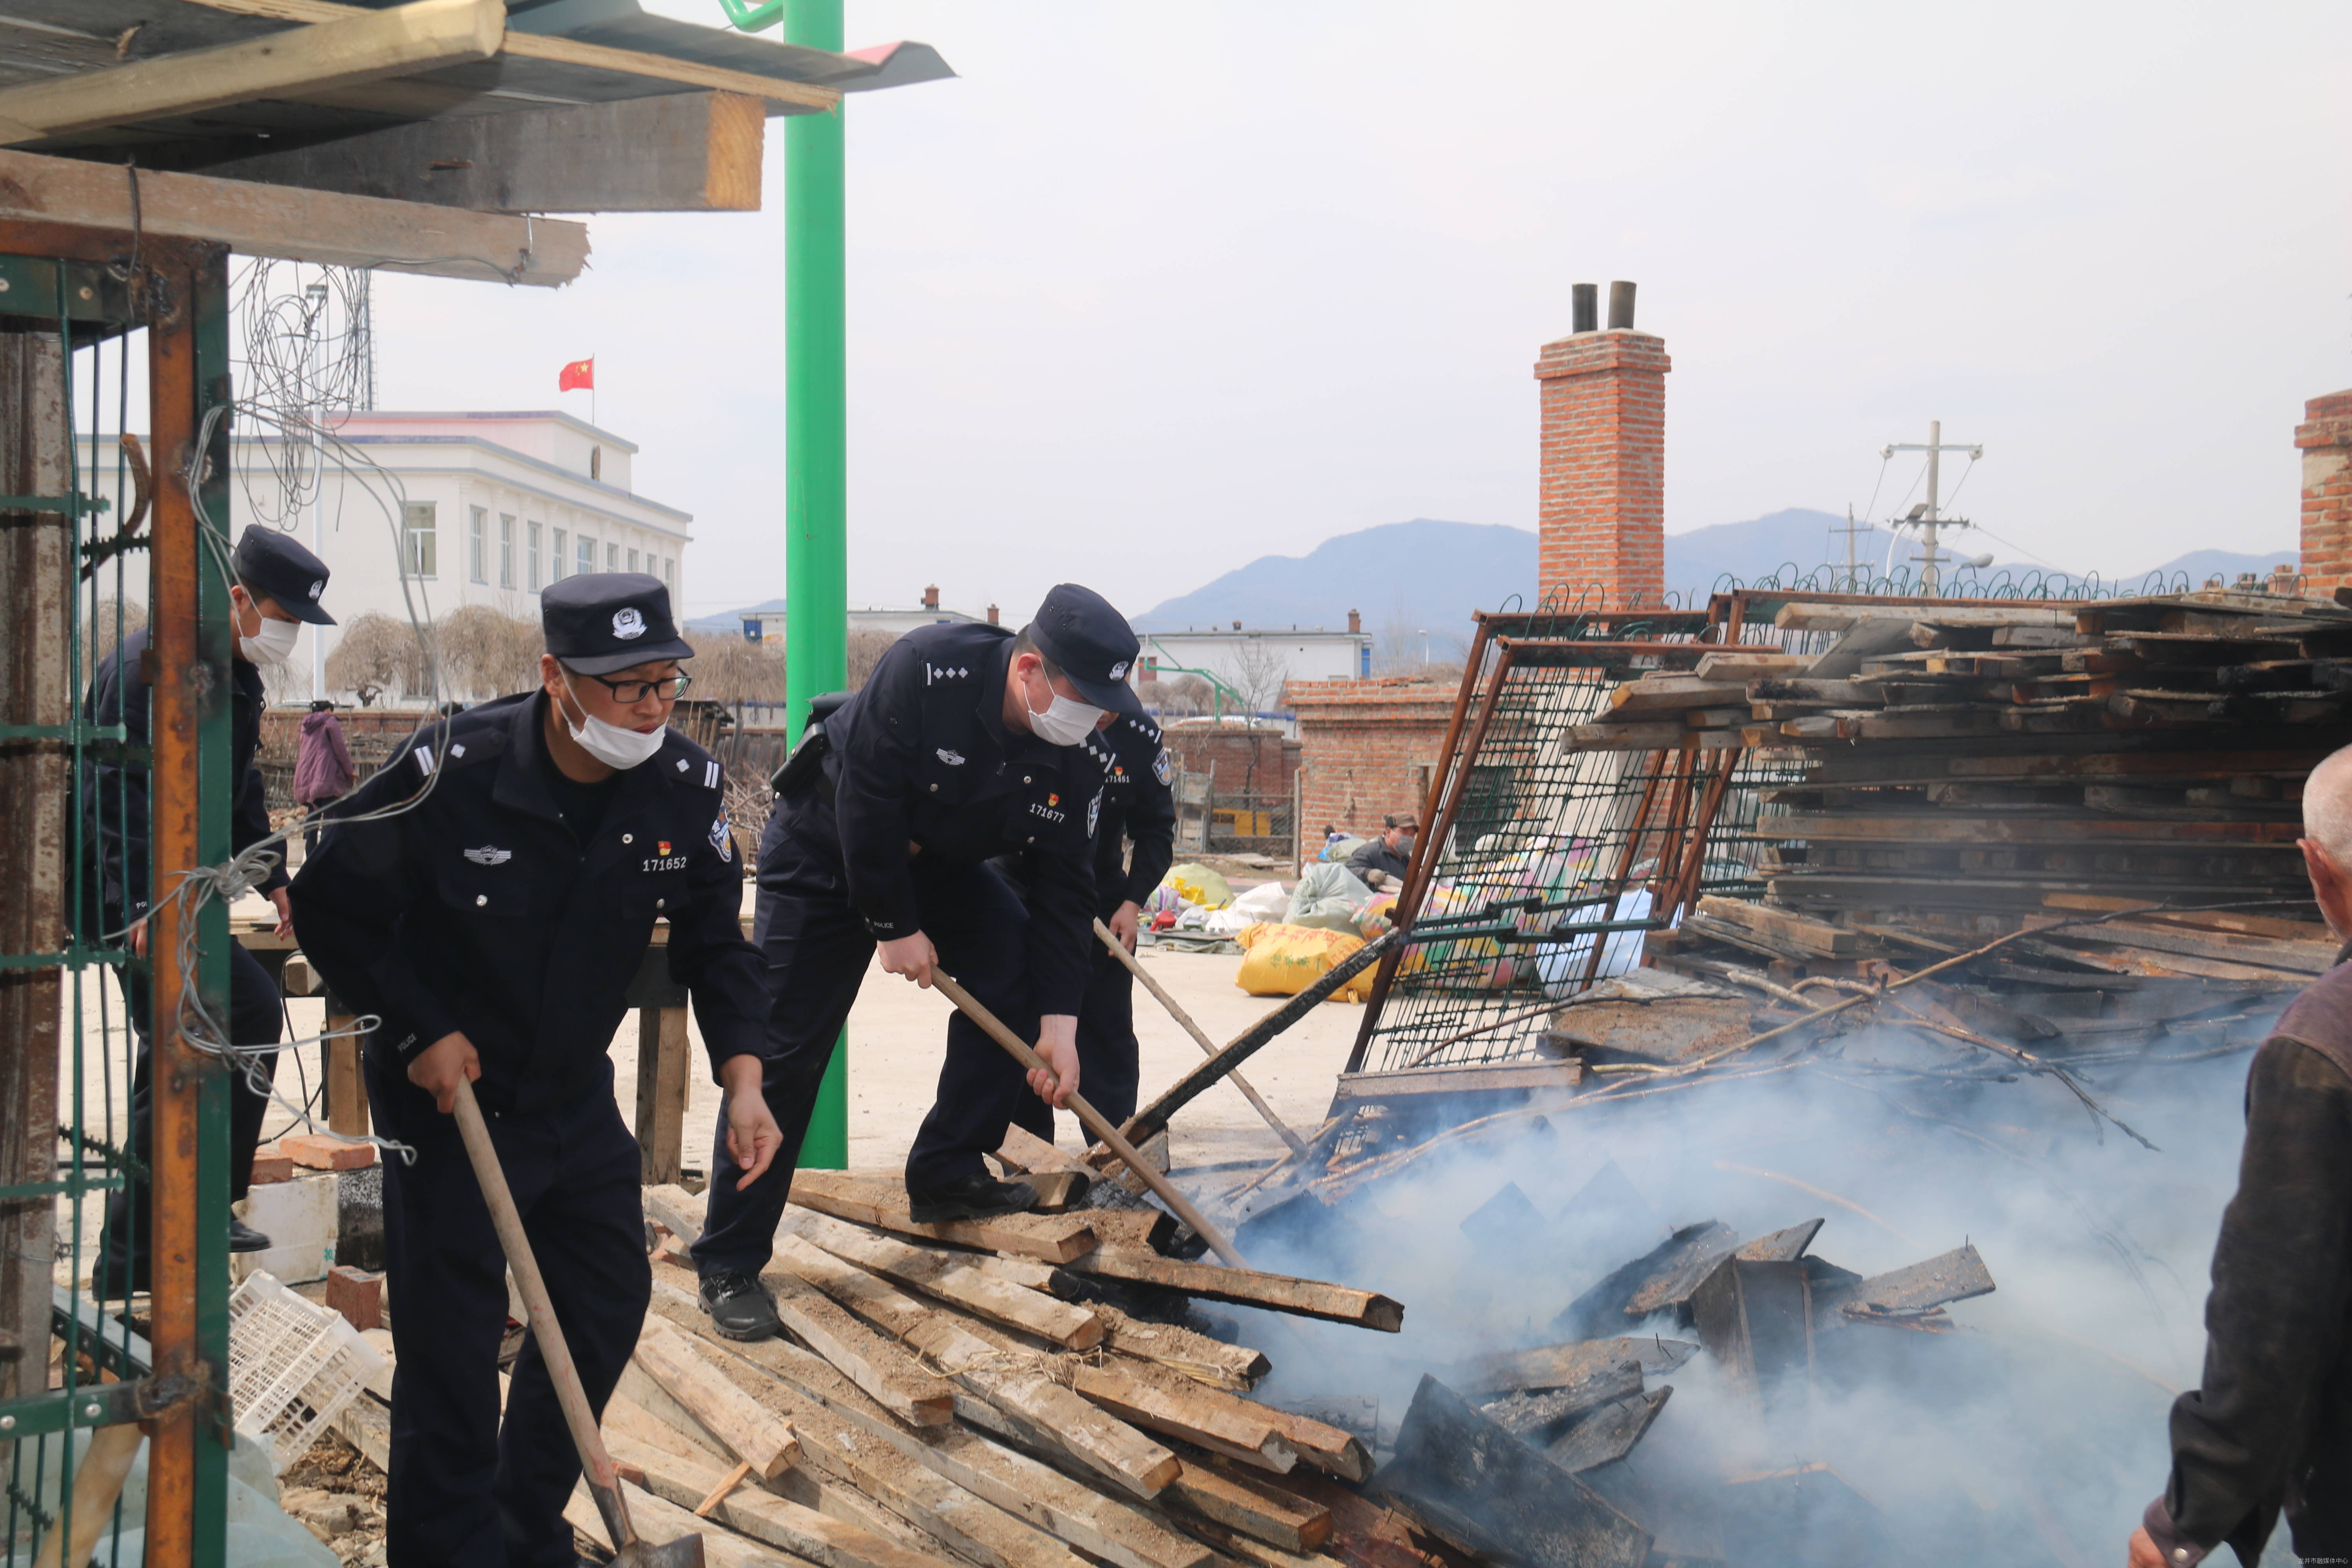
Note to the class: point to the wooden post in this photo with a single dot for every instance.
(346, 1096)
(662, 1088)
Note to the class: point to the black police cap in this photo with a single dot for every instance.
(1092, 643)
(598, 622)
(276, 564)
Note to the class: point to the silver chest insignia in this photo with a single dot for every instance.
(489, 854)
(953, 759)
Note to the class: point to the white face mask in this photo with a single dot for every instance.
(609, 743)
(1065, 722)
(272, 643)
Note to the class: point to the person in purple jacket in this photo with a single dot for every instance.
(323, 773)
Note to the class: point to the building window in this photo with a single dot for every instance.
(506, 550)
(595, 462)
(477, 546)
(532, 532)
(555, 558)
(632, 560)
(611, 558)
(587, 556)
(419, 557)
(669, 574)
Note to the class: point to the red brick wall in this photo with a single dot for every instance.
(2325, 438)
(1237, 760)
(1602, 507)
(1366, 748)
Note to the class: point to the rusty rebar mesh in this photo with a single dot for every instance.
(1558, 858)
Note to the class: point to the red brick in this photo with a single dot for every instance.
(2324, 439)
(269, 1166)
(357, 1295)
(318, 1154)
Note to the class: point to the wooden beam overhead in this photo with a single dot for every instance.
(685, 151)
(293, 226)
(572, 51)
(362, 45)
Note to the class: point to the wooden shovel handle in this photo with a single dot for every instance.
(602, 1482)
(1095, 1121)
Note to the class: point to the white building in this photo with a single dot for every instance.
(470, 507)
(766, 624)
(1244, 656)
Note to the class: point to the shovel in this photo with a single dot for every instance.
(629, 1551)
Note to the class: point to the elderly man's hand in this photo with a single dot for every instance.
(2144, 1553)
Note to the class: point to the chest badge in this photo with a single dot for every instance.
(1161, 767)
(665, 846)
(489, 855)
(953, 759)
(1093, 813)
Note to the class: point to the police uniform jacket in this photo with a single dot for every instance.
(114, 795)
(1138, 804)
(481, 910)
(920, 757)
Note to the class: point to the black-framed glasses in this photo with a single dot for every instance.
(629, 693)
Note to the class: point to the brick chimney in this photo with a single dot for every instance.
(931, 597)
(2325, 438)
(1355, 623)
(1602, 514)
(991, 615)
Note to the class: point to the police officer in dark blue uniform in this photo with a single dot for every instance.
(277, 590)
(494, 924)
(967, 743)
(1138, 806)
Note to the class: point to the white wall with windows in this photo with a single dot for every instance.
(445, 509)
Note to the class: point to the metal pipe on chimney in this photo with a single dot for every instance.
(1620, 307)
(1588, 306)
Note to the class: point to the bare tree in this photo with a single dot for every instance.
(487, 652)
(374, 652)
(1256, 672)
(734, 670)
(1180, 697)
(114, 620)
(866, 647)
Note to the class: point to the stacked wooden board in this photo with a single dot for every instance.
(976, 1393)
(1974, 766)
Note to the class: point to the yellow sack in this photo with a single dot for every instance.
(1197, 884)
(1283, 960)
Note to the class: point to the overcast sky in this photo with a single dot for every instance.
(1151, 291)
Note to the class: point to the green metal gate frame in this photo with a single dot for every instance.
(97, 286)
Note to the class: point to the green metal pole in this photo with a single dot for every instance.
(817, 462)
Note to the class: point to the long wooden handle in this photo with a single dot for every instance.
(594, 1462)
(1200, 1037)
(97, 1481)
(1095, 1120)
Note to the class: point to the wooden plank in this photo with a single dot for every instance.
(1536, 1078)
(1604, 1436)
(684, 151)
(953, 1277)
(1248, 1288)
(572, 51)
(1951, 827)
(364, 46)
(1171, 1405)
(346, 1096)
(1785, 927)
(294, 226)
(684, 1481)
(1747, 664)
(1021, 1385)
(1544, 1367)
(367, 1426)
(1240, 1501)
(859, 1453)
(1041, 1501)
(664, 1521)
(1204, 1360)
(1959, 1275)
(663, 1058)
(1756, 1320)
(889, 1375)
(1055, 1239)
(767, 1444)
(1781, 1246)
(1480, 1488)
(1540, 1416)
(1661, 1279)
(1662, 694)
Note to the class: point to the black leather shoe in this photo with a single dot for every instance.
(975, 1196)
(243, 1237)
(739, 1305)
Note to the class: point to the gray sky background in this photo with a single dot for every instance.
(1151, 291)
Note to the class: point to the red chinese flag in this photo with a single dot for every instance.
(580, 375)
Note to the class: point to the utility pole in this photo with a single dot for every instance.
(816, 461)
(1929, 517)
(314, 400)
(1851, 531)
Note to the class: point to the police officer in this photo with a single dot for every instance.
(967, 743)
(275, 590)
(1140, 806)
(492, 916)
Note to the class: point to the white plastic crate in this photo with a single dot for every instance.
(292, 1366)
